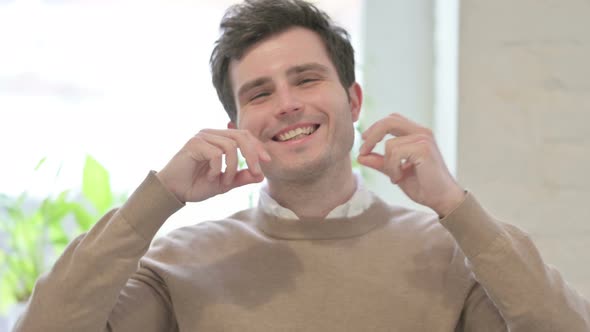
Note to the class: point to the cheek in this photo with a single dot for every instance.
(344, 120)
(251, 123)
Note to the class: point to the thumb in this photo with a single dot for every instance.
(372, 160)
(244, 177)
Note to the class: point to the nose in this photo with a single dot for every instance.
(288, 102)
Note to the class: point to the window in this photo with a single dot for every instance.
(125, 81)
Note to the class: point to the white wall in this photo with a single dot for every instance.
(524, 114)
(523, 108)
(397, 72)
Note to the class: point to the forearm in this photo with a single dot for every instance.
(80, 291)
(530, 295)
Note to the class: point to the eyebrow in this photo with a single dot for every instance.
(252, 84)
(312, 66)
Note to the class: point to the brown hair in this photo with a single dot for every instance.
(254, 20)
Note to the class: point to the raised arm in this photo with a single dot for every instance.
(512, 278)
(96, 284)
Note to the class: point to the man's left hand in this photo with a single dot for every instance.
(413, 161)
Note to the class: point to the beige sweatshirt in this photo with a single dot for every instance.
(388, 269)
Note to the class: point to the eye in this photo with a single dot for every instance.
(307, 81)
(259, 95)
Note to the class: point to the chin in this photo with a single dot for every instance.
(301, 171)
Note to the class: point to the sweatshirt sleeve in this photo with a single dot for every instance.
(91, 282)
(529, 295)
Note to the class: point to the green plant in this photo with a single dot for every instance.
(35, 236)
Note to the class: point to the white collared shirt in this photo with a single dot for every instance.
(357, 204)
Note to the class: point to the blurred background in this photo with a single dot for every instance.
(104, 91)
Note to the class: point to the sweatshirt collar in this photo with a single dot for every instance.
(359, 202)
(320, 228)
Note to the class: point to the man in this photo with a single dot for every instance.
(319, 253)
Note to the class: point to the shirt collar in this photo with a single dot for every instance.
(357, 204)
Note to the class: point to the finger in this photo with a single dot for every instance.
(399, 155)
(238, 140)
(244, 177)
(199, 150)
(393, 124)
(379, 163)
(394, 158)
(394, 142)
(405, 158)
(214, 165)
(251, 148)
(372, 160)
(244, 137)
(231, 166)
(230, 149)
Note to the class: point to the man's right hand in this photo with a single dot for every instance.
(195, 173)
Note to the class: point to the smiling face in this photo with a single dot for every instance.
(288, 95)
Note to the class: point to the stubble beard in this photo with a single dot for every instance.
(309, 172)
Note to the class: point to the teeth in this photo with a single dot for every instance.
(298, 132)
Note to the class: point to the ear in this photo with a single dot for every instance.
(355, 94)
(231, 125)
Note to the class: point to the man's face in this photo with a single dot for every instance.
(289, 96)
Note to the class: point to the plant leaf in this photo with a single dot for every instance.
(57, 235)
(96, 185)
(7, 297)
(84, 219)
(40, 163)
(54, 211)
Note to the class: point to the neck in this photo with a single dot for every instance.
(315, 197)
